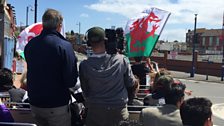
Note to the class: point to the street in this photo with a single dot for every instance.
(212, 91)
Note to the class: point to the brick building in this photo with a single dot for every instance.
(207, 39)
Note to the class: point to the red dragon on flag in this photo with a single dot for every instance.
(139, 30)
(143, 32)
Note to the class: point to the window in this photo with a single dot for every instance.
(203, 41)
(210, 41)
(217, 41)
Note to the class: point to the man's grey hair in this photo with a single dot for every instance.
(51, 19)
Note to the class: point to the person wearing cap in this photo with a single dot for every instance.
(167, 114)
(51, 71)
(105, 80)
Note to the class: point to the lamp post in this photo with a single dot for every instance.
(222, 49)
(79, 32)
(35, 12)
(27, 14)
(21, 25)
(193, 50)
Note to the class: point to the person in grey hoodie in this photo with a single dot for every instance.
(105, 81)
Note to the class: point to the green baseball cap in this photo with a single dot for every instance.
(96, 34)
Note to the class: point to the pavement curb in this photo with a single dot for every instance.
(218, 110)
(197, 77)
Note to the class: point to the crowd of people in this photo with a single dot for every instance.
(109, 84)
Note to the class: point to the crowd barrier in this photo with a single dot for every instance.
(20, 112)
(4, 96)
(16, 124)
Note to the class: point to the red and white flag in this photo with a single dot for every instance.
(26, 35)
(143, 32)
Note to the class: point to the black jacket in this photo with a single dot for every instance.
(51, 69)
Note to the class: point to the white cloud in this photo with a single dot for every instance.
(84, 15)
(209, 12)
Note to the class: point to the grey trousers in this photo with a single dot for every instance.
(59, 116)
(106, 116)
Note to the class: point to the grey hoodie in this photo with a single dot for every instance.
(104, 80)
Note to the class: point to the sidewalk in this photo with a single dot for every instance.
(197, 77)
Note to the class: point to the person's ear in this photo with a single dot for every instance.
(209, 122)
(59, 27)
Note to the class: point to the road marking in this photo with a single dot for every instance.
(218, 110)
(210, 97)
(197, 81)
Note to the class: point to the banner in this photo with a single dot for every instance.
(142, 32)
(26, 35)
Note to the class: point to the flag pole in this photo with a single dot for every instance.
(35, 13)
(193, 50)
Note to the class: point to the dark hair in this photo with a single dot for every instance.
(130, 123)
(161, 72)
(6, 79)
(162, 86)
(138, 59)
(195, 111)
(175, 93)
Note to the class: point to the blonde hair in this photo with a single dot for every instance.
(23, 80)
(136, 84)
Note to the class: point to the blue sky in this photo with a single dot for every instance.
(107, 13)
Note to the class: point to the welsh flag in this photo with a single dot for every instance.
(143, 32)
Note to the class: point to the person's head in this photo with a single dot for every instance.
(136, 84)
(155, 76)
(162, 86)
(138, 59)
(52, 20)
(16, 54)
(196, 112)
(175, 95)
(23, 81)
(161, 72)
(96, 37)
(6, 79)
(129, 123)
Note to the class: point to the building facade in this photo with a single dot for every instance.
(171, 46)
(7, 32)
(206, 40)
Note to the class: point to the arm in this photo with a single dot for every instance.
(129, 81)
(83, 80)
(69, 66)
(149, 65)
(128, 75)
